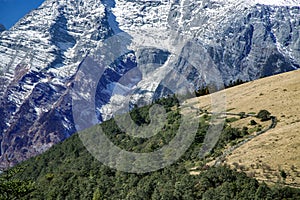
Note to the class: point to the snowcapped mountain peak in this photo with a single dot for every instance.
(277, 2)
(289, 3)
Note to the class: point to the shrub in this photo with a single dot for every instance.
(283, 174)
(264, 115)
(232, 119)
(253, 122)
(245, 131)
(242, 115)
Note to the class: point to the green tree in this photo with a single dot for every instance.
(97, 194)
(13, 188)
(263, 192)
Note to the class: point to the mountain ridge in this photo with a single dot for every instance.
(41, 55)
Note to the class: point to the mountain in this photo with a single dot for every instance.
(69, 171)
(62, 53)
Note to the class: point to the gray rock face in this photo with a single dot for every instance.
(38, 59)
(251, 44)
(41, 55)
(255, 46)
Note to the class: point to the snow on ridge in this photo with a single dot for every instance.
(290, 3)
(277, 2)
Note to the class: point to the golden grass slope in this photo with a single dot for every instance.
(266, 156)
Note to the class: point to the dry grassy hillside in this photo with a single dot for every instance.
(270, 155)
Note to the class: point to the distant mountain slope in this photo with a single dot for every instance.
(278, 149)
(41, 55)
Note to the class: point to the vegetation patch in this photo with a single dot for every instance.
(68, 171)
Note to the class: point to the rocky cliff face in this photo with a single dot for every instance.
(41, 55)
